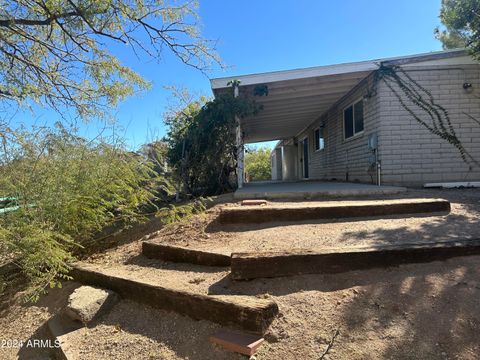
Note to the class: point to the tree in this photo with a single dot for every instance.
(461, 19)
(56, 52)
(156, 152)
(257, 164)
(201, 139)
(180, 123)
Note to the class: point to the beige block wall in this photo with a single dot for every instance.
(410, 154)
(343, 156)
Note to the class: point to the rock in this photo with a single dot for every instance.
(254, 202)
(86, 303)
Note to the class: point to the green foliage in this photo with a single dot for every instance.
(67, 189)
(257, 164)
(451, 39)
(156, 152)
(201, 140)
(178, 213)
(163, 187)
(461, 20)
(260, 90)
(56, 52)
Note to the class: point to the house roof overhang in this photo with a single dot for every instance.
(297, 97)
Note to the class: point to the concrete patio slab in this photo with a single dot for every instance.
(311, 190)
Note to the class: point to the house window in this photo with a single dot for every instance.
(319, 139)
(353, 119)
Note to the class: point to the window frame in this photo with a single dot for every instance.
(352, 104)
(319, 128)
(302, 166)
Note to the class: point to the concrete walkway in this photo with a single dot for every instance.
(310, 190)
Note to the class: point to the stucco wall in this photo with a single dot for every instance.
(410, 154)
(341, 157)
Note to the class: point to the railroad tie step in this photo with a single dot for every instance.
(331, 210)
(254, 202)
(183, 255)
(336, 260)
(243, 312)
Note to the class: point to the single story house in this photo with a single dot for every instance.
(407, 120)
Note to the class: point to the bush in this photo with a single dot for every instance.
(201, 140)
(177, 213)
(257, 164)
(67, 188)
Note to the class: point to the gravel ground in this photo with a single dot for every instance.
(421, 311)
(23, 322)
(132, 329)
(203, 232)
(428, 311)
(416, 311)
(186, 277)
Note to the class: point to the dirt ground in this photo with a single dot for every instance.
(203, 232)
(417, 311)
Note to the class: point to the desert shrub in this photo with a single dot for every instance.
(177, 213)
(66, 188)
(163, 187)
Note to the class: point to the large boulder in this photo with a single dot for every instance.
(87, 303)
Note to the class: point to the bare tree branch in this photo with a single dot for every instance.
(34, 22)
(59, 57)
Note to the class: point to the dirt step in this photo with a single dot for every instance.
(183, 255)
(244, 312)
(274, 264)
(330, 210)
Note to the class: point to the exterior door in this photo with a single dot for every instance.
(305, 158)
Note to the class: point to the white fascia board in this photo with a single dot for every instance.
(267, 77)
(274, 76)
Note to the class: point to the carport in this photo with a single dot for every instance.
(291, 100)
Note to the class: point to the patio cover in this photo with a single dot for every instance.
(298, 97)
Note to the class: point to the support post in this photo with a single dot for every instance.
(240, 147)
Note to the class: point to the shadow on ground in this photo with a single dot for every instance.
(216, 226)
(417, 311)
(141, 260)
(146, 332)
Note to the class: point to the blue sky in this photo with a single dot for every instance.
(257, 36)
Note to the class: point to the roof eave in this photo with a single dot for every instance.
(285, 75)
